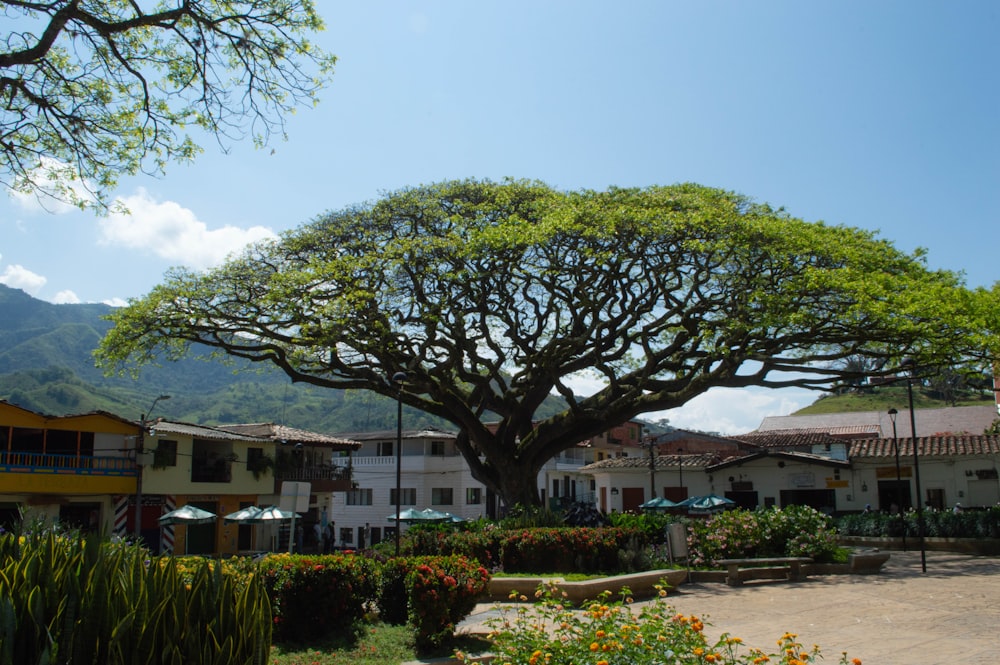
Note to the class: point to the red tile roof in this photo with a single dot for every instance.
(788, 438)
(928, 446)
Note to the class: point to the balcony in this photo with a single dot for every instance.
(42, 473)
(322, 477)
(25, 462)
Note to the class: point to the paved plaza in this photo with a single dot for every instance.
(901, 616)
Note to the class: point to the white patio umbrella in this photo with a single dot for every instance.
(187, 515)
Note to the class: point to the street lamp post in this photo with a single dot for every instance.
(139, 450)
(899, 480)
(916, 468)
(680, 472)
(399, 378)
(652, 468)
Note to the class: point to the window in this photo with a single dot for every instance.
(165, 454)
(473, 495)
(359, 497)
(257, 461)
(441, 496)
(407, 496)
(437, 448)
(346, 535)
(211, 462)
(384, 448)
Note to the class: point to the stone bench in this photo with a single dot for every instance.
(765, 568)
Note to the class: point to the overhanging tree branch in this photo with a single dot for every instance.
(109, 88)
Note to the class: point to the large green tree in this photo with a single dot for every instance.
(93, 89)
(492, 296)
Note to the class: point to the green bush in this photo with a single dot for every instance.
(483, 545)
(314, 596)
(392, 602)
(76, 599)
(937, 523)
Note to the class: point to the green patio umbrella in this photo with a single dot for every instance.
(658, 503)
(425, 515)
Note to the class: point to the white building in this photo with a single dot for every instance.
(433, 474)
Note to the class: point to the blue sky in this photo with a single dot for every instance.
(881, 115)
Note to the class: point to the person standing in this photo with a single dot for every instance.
(329, 538)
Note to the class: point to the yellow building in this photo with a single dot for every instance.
(68, 468)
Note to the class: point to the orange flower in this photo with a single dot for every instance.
(855, 661)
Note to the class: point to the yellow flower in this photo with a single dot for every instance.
(601, 633)
(594, 646)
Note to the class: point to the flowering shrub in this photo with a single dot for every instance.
(550, 550)
(730, 534)
(792, 531)
(798, 531)
(550, 632)
(313, 595)
(433, 593)
(442, 591)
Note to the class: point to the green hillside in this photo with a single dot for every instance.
(46, 365)
(884, 398)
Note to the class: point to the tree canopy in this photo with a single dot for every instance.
(92, 89)
(492, 296)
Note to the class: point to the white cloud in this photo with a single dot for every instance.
(66, 297)
(723, 410)
(116, 302)
(54, 182)
(735, 410)
(18, 277)
(174, 233)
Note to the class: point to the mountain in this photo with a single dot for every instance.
(46, 365)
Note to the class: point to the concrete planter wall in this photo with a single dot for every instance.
(640, 585)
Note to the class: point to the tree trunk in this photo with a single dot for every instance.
(517, 484)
